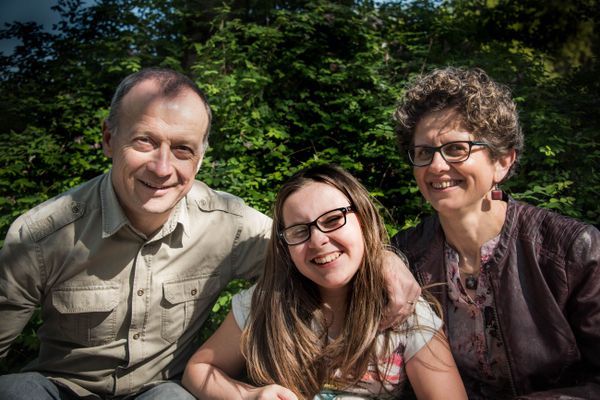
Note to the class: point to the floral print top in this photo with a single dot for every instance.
(473, 332)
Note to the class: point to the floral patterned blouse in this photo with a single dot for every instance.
(473, 331)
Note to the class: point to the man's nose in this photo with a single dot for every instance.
(161, 161)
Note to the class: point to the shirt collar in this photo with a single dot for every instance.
(179, 218)
(113, 216)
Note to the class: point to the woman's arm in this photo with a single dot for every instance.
(583, 312)
(432, 371)
(208, 374)
(403, 289)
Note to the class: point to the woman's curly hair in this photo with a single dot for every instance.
(486, 108)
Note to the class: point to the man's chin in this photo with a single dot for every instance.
(158, 206)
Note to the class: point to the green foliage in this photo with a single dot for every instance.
(221, 308)
(305, 89)
(296, 83)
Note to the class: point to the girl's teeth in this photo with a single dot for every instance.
(327, 258)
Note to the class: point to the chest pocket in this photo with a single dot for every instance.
(87, 314)
(183, 301)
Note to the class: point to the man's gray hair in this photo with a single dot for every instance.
(171, 82)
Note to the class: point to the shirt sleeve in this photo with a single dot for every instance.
(251, 244)
(19, 284)
(240, 305)
(420, 328)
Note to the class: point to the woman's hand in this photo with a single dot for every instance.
(403, 290)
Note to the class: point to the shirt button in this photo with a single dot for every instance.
(194, 291)
(136, 336)
(140, 292)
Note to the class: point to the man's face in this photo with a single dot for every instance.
(156, 151)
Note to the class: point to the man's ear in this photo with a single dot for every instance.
(503, 164)
(107, 137)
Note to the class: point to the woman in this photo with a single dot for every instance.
(309, 328)
(521, 298)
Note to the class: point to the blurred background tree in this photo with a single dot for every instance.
(294, 83)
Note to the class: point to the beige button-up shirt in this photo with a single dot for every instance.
(121, 311)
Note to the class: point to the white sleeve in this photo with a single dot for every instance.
(421, 327)
(240, 305)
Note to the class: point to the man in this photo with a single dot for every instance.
(127, 266)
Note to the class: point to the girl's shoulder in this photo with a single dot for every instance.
(420, 327)
(241, 304)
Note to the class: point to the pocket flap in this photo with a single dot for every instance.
(72, 300)
(176, 292)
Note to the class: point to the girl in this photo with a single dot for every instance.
(309, 328)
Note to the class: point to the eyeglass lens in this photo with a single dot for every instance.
(452, 152)
(328, 222)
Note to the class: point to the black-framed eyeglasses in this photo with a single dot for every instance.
(452, 152)
(327, 222)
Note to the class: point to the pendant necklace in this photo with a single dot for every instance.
(471, 282)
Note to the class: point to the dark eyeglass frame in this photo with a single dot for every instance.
(344, 210)
(439, 149)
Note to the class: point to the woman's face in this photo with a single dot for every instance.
(455, 188)
(328, 259)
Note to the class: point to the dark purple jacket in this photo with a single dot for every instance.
(545, 278)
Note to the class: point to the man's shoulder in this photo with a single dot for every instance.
(60, 210)
(207, 199)
(229, 213)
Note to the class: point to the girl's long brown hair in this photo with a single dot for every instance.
(285, 341)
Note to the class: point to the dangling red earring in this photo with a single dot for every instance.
(496, 193)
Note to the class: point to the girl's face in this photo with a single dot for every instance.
(328, 259)
(455, 188)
